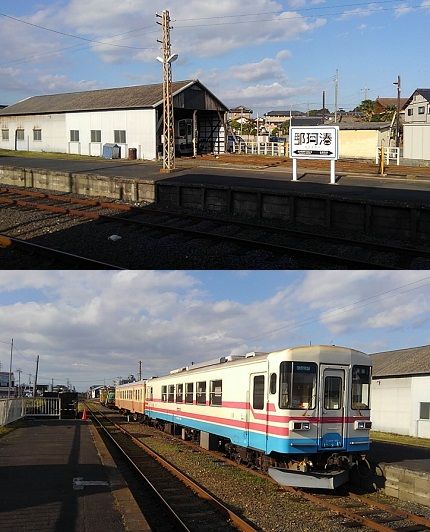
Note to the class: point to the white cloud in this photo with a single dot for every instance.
(402, 9)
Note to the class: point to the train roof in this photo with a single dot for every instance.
(343, 353)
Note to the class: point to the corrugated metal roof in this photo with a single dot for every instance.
(363, 125)
(411, 361)
(137, 97)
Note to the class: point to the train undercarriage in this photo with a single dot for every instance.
(321, 471)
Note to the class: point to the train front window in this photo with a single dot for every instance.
(297, 385)
(360, 387)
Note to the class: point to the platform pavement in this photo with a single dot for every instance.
(42, 464)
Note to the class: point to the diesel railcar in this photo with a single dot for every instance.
(301, 413)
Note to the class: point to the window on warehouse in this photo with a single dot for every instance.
(424, 410)
(164, 394)
(360, 390)
(258, 393)
(201, 393)
(171, 393)
(189, 392)
(215, 394)
(297, 385)
(179, 393)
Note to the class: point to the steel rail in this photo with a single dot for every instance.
(7, 241)
(172, 512)
(189, 482)
(273, 247)
(374, 525)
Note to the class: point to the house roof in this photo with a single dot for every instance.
(284, 113)
(372, 126)
(240, 109)
(391, 102)
(425, 93)
(411, 361)
(136, 97)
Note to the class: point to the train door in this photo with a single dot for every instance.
(332, 408)
(257, 412)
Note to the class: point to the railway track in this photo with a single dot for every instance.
(319, 250)
(185, 504)
(360, 510)
(47, 257)
(354, 510)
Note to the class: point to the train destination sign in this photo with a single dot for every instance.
(317, 142)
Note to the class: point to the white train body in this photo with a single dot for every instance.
(298, 405)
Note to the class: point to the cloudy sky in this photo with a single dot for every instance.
(91, 327)
(265, 54)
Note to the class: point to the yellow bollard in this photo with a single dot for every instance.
(381, 162)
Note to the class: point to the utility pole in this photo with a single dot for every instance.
(398, 112)
(168, 120)
(19, 371)
(35, 378)
(10, 370)
(336, 89)
(323, 109)
(140, 370)
(366, 90)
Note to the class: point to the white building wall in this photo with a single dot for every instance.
(52, 127)
(140, 127)
(416, 141)
(420, 393)
(391, 405)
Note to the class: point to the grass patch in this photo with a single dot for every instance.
(400, 439)
(48, 155)
(10, 427)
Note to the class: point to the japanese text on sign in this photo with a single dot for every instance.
(318, 142)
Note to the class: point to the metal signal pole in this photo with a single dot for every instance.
(9, 385)
(168, 123)
(398, 112)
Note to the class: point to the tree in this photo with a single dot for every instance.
(319, 112)
(367, 108)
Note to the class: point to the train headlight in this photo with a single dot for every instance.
(362, 425)
(300, 425)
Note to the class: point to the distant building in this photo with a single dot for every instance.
(400, 391)
(416, 127)
(240, 114)
(384, 104)
(274, 119)
(4, 384)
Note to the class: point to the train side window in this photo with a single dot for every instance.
(258, 393)
(189, 392)
(333, 393)
(164, 394)
(150, 394)
(171, 393)
(297, 385)
(201, 393)
(273, 378)
(215, 394)
(360, 389)
(179, 393)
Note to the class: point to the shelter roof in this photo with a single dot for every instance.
(136, 97)
(411, 361)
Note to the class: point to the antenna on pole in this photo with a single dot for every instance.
(168, 120)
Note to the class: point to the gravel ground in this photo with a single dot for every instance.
(137, 248)
(258, 499)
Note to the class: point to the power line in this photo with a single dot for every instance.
(71, 34)
(360, 302)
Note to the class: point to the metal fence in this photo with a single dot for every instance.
(14, 409)
(391, 153)
(275, 149)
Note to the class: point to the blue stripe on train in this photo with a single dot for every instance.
(259, 441)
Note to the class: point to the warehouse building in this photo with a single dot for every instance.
(401, 391)
(129, 117)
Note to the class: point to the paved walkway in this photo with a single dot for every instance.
(39, 467)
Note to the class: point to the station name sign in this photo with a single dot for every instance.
(315, 142)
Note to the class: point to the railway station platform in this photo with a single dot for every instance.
(396, 206)
(405, 470)
(57, 475)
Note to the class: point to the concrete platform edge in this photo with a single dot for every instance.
(134, 520)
